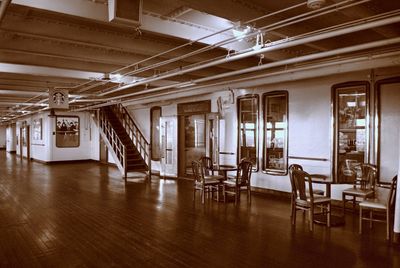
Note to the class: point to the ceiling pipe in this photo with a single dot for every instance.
(3, 8)
(334, 8)
(342, 66)
(265, 66)
(271, 47)
(290, 75)
(281, 63)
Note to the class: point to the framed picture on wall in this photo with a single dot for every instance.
(37, 129)
(24, 133)
(67, 131)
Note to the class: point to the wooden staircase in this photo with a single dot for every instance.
(125, 141)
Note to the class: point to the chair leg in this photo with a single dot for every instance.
(203, 195)
(387, 225)
(354, 204)
(294, 215)
(311, 217)
(236, 196)
(370, 219)
(194, 194)
(223, 193)
(249, 195)
(328, 220)
(360, 224)
(344, 203)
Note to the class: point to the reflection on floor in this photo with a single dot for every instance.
(83, 214)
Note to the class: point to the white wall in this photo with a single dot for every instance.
(310, 124)
(84, 151)
(95, 140)
(397, 205)
(3, 136)
(45, 149)
(40, 148)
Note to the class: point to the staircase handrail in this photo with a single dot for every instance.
(118, 147)
(134, 132)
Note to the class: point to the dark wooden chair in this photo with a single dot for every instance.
(380, 203)
(201, 183)
(363, 185)
(304, 198)
(207, 165)
(241, 182)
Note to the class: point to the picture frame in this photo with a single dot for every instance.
(37, 129)
(67, 131)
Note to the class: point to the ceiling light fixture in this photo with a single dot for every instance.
(240, 31)
(315, 4)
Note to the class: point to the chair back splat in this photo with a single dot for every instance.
(207, 165)
(240, 183)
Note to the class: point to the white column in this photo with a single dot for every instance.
(397, 206)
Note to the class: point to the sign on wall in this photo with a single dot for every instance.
(58, 99)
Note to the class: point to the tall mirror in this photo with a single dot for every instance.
(248, 129)
(275, 132)
(350, 129)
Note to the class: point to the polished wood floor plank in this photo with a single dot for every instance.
(84, 215)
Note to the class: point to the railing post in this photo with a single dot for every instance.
(149, 160)
(125, 162)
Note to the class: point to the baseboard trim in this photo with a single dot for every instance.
(64, 161)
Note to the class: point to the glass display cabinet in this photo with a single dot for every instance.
(248, 129)
(275, 132)
(350, 126)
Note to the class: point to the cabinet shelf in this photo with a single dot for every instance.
(350, 129)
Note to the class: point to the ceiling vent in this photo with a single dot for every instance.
(128, 12)
(315, 4)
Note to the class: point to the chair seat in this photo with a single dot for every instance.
(318, 199)
(375, 204)
(317, 191)
(358, 192)
(213, 177)
(208, 182)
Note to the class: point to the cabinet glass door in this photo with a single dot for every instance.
(351, 135)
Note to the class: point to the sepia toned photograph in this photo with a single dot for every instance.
(67, 131)
(199, 133)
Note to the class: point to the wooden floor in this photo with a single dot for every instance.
(84, 215)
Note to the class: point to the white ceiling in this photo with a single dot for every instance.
(71, 44)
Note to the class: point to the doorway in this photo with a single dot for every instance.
(103, 152)
(24, 143)
(192, 141)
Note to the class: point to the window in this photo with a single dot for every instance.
(155, 115)
(275, 132)
(248, 129)
(351, 135)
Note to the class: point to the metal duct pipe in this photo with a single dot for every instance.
(3, 8)
(271, 47)
(290, 75)
(276, 64)
(299, 18)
